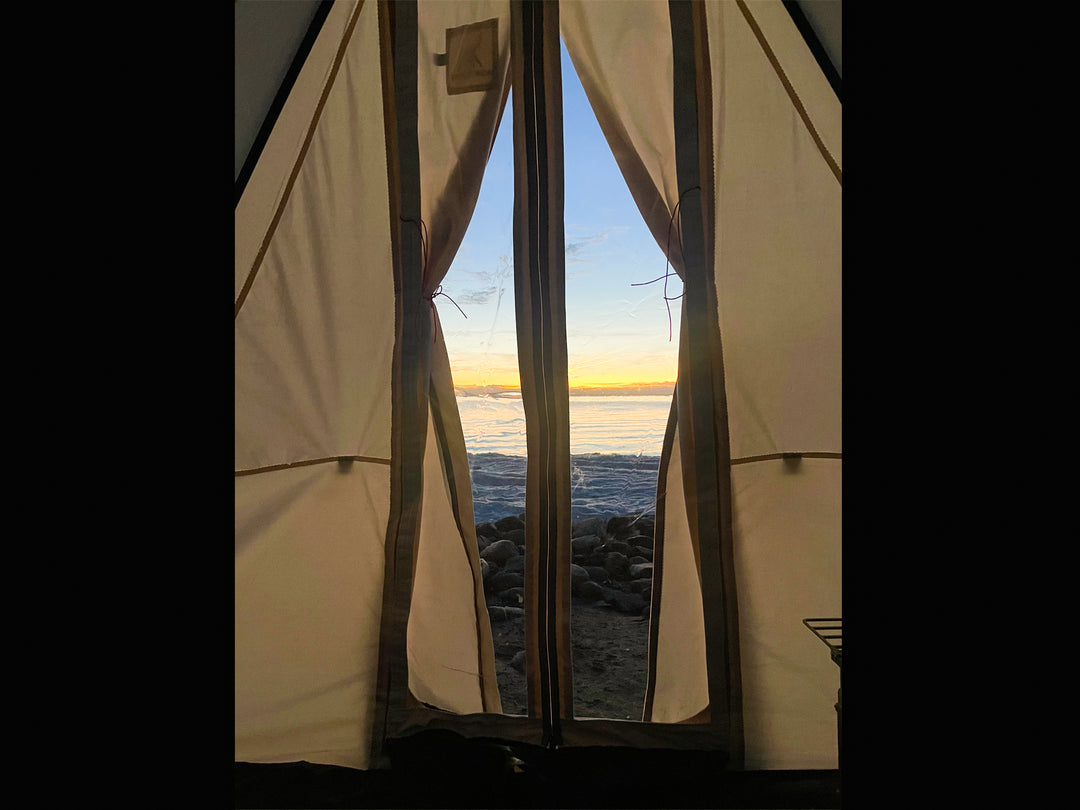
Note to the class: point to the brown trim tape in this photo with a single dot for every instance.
(774, 456)
(658, 556)
(307, 463)
(299, 161)
(702, 396)
(837, 173)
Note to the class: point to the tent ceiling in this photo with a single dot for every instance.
(266, 36)
(824, 17)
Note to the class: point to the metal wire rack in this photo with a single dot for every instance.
(831, 632)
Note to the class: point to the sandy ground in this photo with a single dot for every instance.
(610, 660)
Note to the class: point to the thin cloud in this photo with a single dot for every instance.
(578, 246)
(480, 286)
(477, 297)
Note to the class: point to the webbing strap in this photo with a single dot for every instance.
(702, 398)
(412, 355)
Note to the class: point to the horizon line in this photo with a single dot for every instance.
(601, 388)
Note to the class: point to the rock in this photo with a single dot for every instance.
(646, 553)
(504, 614)
(597, 573)
(584, 544)
(617, 565)
(637, 560)
(513, 596)
(588, 526)
(619, 525)
(515, 565)
(487, 530)
(483, 542)
(617, 545)
(626, 526)
(486, 568)
(641, 570)
(624, 602)
(518, 661)
(589, 591)
(500, 552)
(639, 586)
(501, 581)
(509, 523)
(516, 535)
(640, 540)
(578, 574)
(594, 559)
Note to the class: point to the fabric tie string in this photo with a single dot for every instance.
(431, 302)
(422, 228)
(667, 262)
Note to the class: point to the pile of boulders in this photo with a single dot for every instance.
(611, 563)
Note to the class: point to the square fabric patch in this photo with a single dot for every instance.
(472, 52)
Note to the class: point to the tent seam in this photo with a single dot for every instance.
(836, 170)
(310, 462)
(286, 195)
(774, 456)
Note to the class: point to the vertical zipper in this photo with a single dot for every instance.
(543, 347)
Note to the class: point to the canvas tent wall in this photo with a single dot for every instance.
(359, 608)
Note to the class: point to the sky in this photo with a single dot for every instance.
(617, 335)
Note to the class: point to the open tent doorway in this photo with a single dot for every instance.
(361, 612)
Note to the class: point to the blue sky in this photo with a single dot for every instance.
(615, 333)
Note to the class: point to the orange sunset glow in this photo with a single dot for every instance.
(645, 379)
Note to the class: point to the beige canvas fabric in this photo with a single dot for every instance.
(314, 337)
(778, 278)
(314, 347)
(800, 69)
(778, 255)
(266, 187)
(622, 54)
(682, 688)
(779, 207)
(307, 602)
(460, 543)
(448, 622)
(314, 341)
(456, 131)
(788, 558)
(442, 633)
(777, 267)
(624, 62)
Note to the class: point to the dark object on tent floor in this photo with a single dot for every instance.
(831, 631)
(442, 769)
